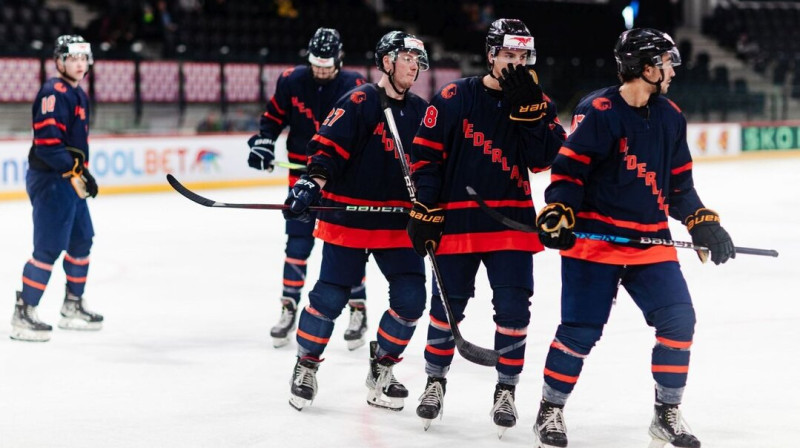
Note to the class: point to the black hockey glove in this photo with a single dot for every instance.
(425, 227)
(262, 152)
(304, 194)
(79, 176)
(521, 90)
(706, 231)
(555, 223)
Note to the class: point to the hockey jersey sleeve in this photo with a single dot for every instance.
(52, 114)
(343, 131)
(429, 147)
(683, 198)
(589, 143)
(275, 119)
(541, 142)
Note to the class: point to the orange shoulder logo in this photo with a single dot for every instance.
(358, 97)
(360, 81)
(601, 103)
(60, 87)
(449, 91)
(287, 72)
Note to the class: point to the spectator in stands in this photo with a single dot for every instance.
(746, 49)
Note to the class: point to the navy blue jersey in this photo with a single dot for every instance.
(60, 119)
(467, 139)
(356, 148)
(301, 103)
(624, 174)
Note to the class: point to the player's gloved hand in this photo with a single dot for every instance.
(303, 195)
(425, 227)
(555, 223)
(79, 176)
(706, 231)
(262, 152)
(521, 90)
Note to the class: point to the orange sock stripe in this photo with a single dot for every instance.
(559, 346)
(512, 331)
(40, 265)
(33, 284)
(77, 261)
(391, 338)
(437, 323)
(314, 312)
(671, 343)
(440, 352)
(560, 377)
(296, 261)
(670, 369)
(298, 283)
(511, 362)
(76, 279)
(306, 336)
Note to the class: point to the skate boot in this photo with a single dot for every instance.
(550, 429)
(431, 402)
(384, 389)
(354, 335)
(669, 427)
(304, 382)
(282, 330)
(26, 326)
(504, 413)
(75, 316)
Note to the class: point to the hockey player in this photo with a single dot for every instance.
(303, 96)
(624, 170)
(58, 183)
(355, 161)
(486, 132)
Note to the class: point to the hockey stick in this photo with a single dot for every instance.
(290, 165)
(191, 195)
(468, 350)
(516, 225)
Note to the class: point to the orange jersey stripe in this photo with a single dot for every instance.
(47, 141)
(527, 203)
(559, 177)
(391, 338)
(603, 252)
(49, 122)
(273, 118)
(275, 105)
(361, 238)
(560, 377)
(356, 201)
(566, 152)
(462, 243)
(625, 224)
(311, 338)
(428, 143)
(681, 169)
(345, 154)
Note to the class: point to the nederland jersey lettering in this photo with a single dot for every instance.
(355, 146)
(466, 139)
(302, 104)
(60, 119)
(625, 175)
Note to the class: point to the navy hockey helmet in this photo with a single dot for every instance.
(68, 44)
(511, 34)
(643, 46)
(325, 48)
(394, 42)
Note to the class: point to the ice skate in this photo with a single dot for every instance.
(282, 330)
(668, 426)
(75, 315)
(354, 335)
(550, 429)
(384, 389)
(25, 324)
(431, 402)
(304, 382)
(504, 413)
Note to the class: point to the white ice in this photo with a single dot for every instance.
(189, 294)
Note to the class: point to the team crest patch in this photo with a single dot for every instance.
(358, 97)
(601, 103)
(449, 91)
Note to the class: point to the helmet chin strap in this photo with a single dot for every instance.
(657, 83)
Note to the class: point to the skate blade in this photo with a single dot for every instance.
(280, 342)
(71, 323)
(299, 403)
(24, 334)
(379, 400)
(657, 443)
(426, 423)
(356, 343)
(500, 431)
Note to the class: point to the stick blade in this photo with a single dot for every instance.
(478, 355)
(192, 196)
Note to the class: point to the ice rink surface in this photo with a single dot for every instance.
(189, 294)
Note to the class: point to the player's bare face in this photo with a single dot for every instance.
(505, 57)
(654, 73)
(323, 73)
(406, 67)
(75, 67)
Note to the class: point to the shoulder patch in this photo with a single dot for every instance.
(675, 106)
(358, 97)
(601, 103)
(287, 72)
(60, 87)
(360, 81)
(449, 91)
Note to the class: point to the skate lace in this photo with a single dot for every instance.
(504, 403)
(305, 377)
(385, 377)
(675, 420)
(356, 320)
(554, 421)
(30, 312)
(287, 317)
(433, 396)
